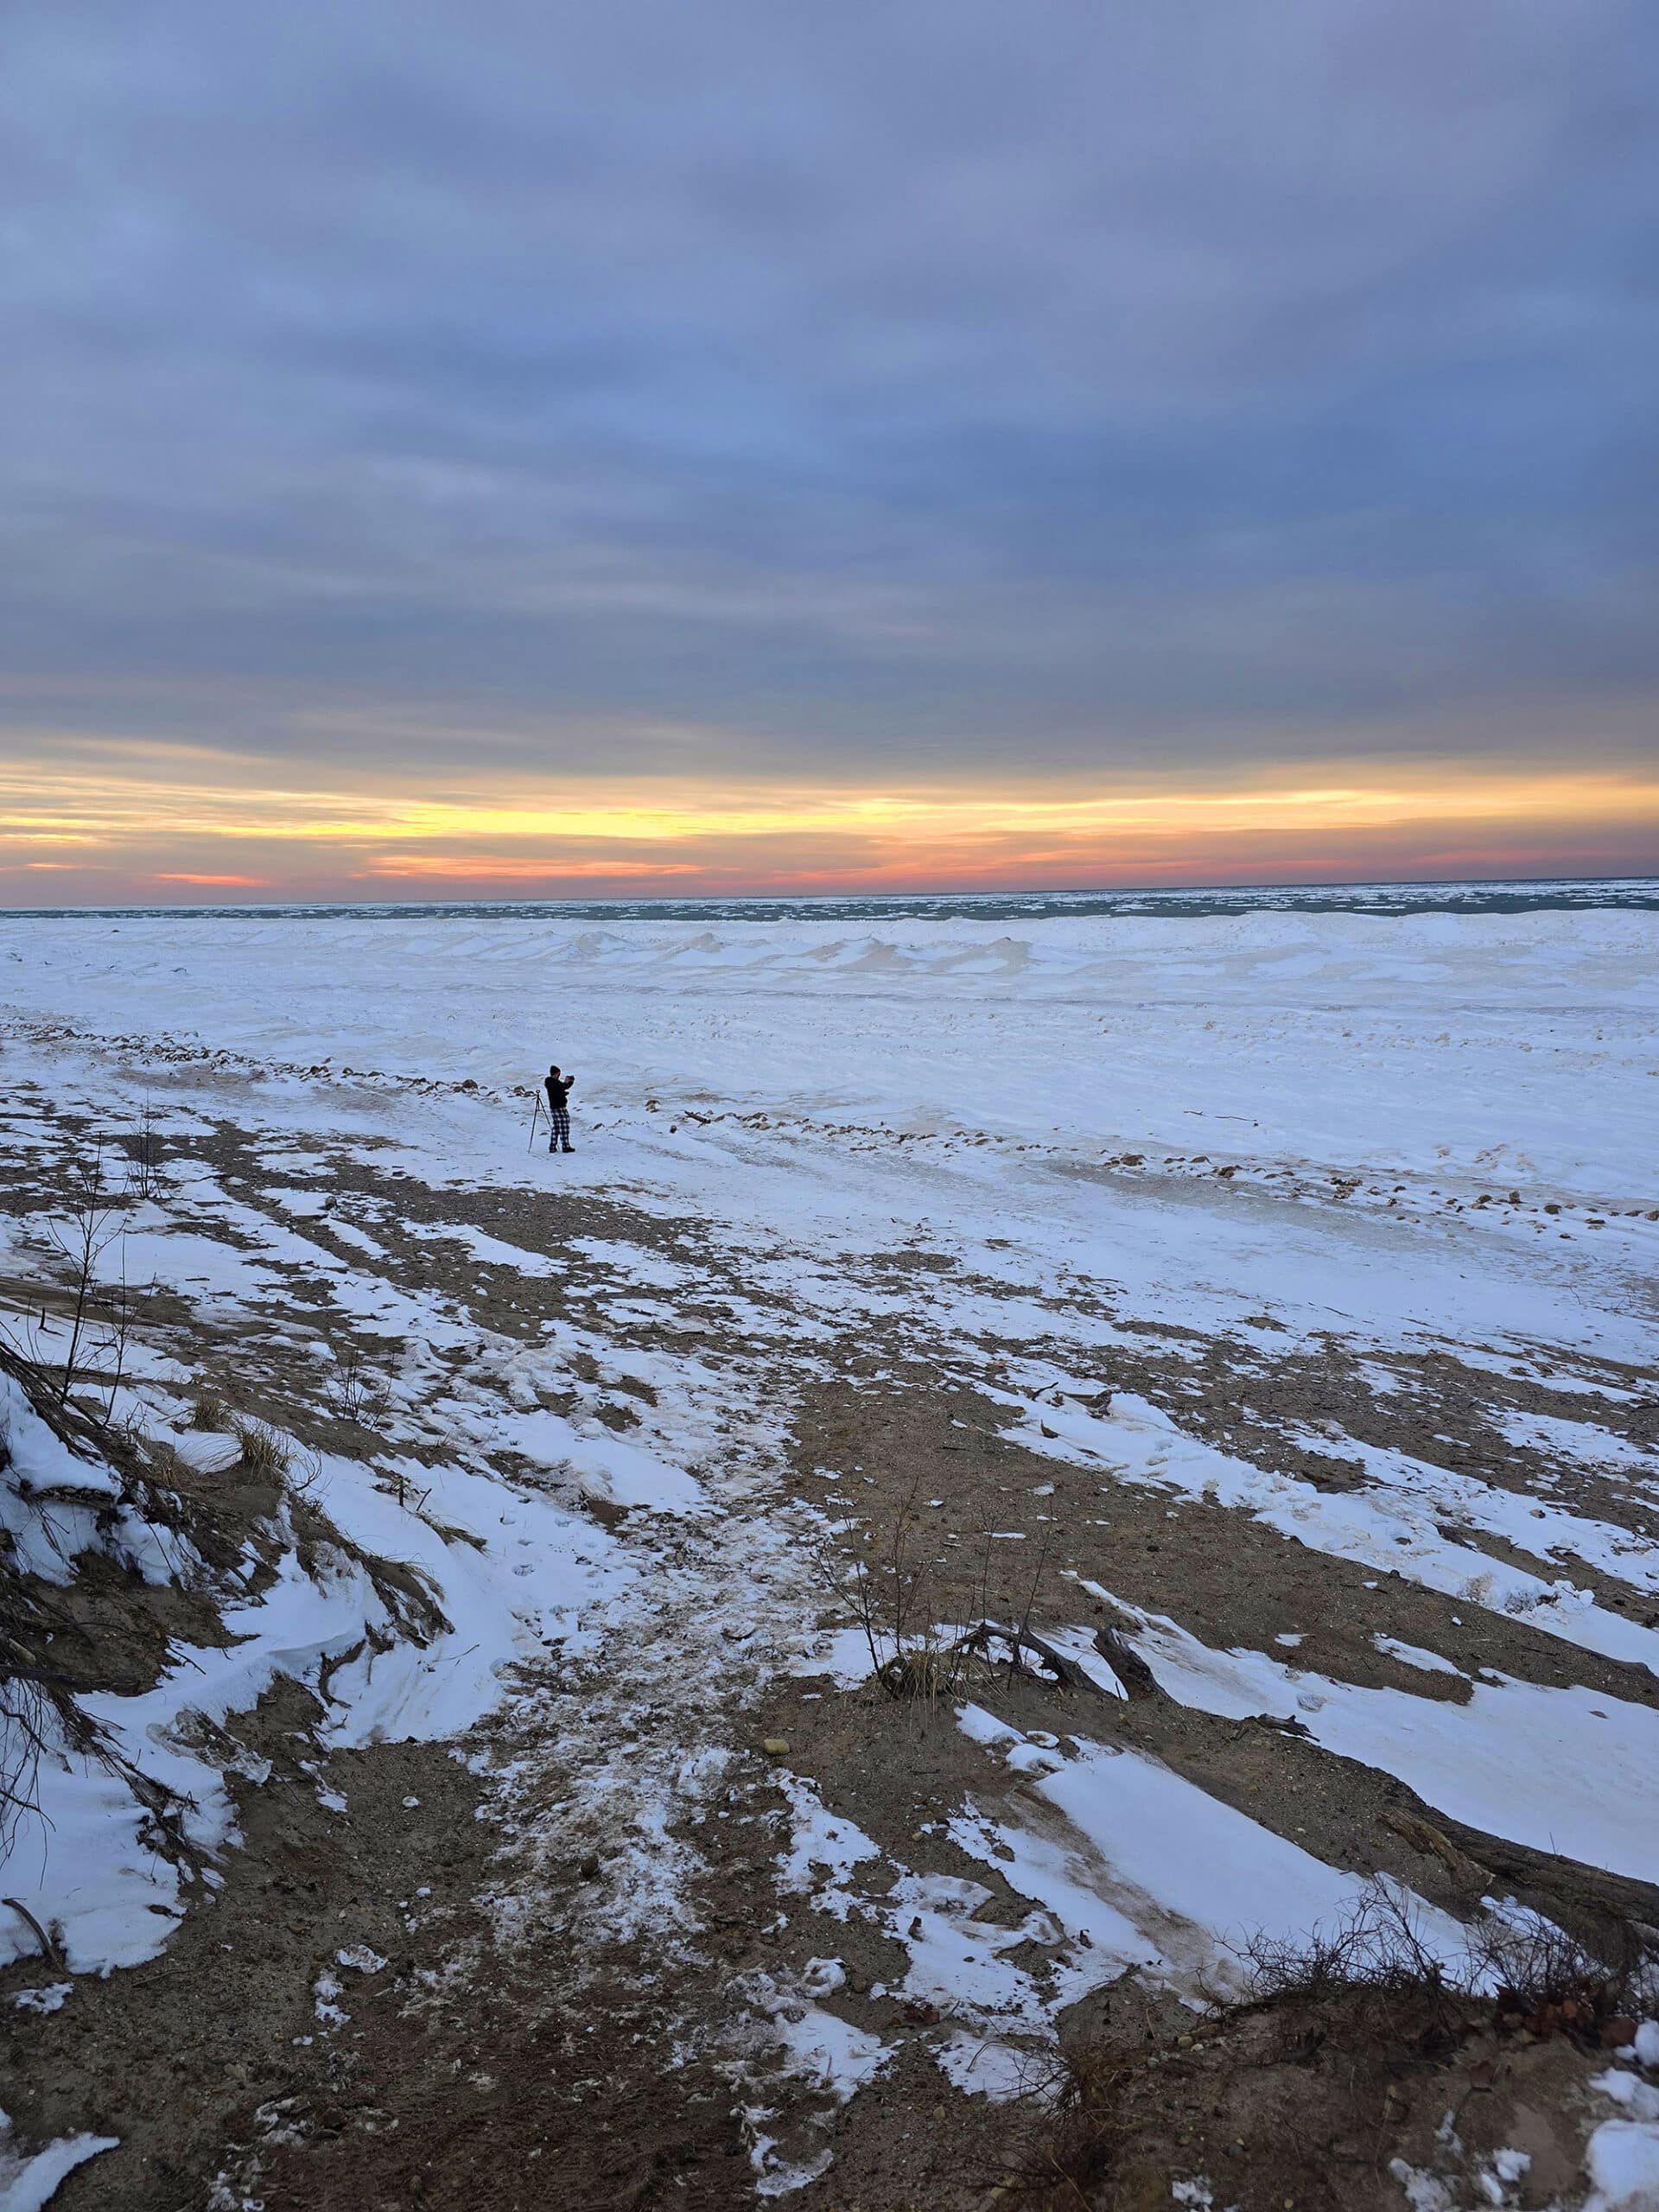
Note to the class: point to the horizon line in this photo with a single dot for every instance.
(826, 898)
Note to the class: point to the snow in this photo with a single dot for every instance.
(831, 2053)
(1569, 1770)
(29, 2181)
(628, 1475)
(1425, 2192)
(1622, 2156)
(1639, 2098)
(54, 1507)
(1472, 1045)
(956, 1961)
(841, 1654)
(49, 2000)
(1580, 1442)
(1156, 1872)
(1413, 1655)
(810, 1093)
(1546, 1531)
(823, 1847)
(1387, 1527)
(83, 1861)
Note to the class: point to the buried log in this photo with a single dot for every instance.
(1423, 1836)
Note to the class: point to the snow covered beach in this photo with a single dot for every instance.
(1274, 1289)
(1478, 1047)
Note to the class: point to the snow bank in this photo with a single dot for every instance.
(508, 1572)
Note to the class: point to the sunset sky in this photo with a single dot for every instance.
(506, 449)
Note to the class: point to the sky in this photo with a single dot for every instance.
(496, 450)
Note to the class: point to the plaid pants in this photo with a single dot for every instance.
(559, 1122)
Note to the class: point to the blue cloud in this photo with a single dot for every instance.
(772, 387)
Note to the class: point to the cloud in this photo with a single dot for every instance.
(499, 868)
(452, 397)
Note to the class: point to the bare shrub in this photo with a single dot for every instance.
(305, 1473)
(1534, 1973)
(125, 1307)
(408, 1495)
(143, 1150)
(91, 1224)
(355, 1392)
(1546, 1980)
(25, 1734)
(1373, 2021)
(1375, 1945)
(890, 1587)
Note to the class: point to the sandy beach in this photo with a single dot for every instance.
(540, 1614)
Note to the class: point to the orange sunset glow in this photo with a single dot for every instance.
(120, 834)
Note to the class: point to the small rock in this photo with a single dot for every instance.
(775, 1747)
(590, 1867)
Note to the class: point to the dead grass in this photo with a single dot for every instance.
(262, 1452)
(209, 1411)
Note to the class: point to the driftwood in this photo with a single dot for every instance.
(935, 1670)
(1066, 1672)
(1137, 1678)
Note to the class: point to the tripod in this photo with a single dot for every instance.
(535, 1114)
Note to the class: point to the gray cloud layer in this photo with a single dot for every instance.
(885, 388)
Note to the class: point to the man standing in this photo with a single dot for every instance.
(558, 1087)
